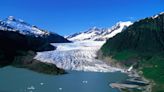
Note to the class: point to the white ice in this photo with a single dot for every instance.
(76, 56)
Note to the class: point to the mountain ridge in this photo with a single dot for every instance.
(99, 34)
(141, 45)
(24, 28)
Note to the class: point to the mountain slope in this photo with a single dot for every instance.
(19, 43)
(141, 45)
(20, 26)
(97, 34)
(19, 50)
(146, 35)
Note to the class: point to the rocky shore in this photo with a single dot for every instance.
(135, 83)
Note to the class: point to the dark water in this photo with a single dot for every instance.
(21, 80)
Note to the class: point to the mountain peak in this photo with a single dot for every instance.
(100, 34)
(161, 13)
(11, 18)
(120, 25)
(155, 16)
(24, 28)
(93, 29)
(13, 26)
(124, 23)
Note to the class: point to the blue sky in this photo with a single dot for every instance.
(69, 16)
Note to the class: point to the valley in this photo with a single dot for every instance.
(78, 55)
(126, 56)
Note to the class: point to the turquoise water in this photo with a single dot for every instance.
(22, 80)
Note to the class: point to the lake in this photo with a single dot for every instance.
(22, 80)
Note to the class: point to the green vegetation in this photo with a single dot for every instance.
(142, 45)
(151, 65)
(154, 69)
(125, 55)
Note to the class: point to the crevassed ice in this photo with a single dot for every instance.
(76, 56)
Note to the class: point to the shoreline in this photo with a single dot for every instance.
(133, 73)
(126, 87)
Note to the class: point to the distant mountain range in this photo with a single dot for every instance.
(100, 34)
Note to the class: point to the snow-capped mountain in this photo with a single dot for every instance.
(24, 28)
(155, 16)
(99, 34)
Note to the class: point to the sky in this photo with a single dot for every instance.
(66, 17)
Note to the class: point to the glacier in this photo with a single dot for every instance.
(79, 55)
